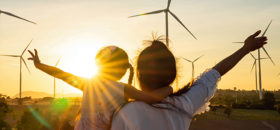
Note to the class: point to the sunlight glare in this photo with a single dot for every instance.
(80, 57)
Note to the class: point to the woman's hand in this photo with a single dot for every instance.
(253, 42)
(35, 57)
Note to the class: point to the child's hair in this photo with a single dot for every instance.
(156, 66)
(112, 62)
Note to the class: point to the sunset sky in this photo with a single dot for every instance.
(76, 30)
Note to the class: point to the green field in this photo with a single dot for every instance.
(240, 114)
(239, 118)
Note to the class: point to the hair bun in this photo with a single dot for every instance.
(158, 44)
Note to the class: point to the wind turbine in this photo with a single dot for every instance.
(259, 60)
(166, 11)
(256, 72)
(134, 77)
(20, 74)
(193, 64)
(10, 14)
(54, 79)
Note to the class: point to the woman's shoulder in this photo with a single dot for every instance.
(209, 73)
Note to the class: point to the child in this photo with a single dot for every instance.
(103, 94)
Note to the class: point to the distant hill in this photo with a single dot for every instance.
(37, 94)
(33, 94)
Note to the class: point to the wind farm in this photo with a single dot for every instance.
(134, 77)
(259, 61)
(21, 60)
(13, 15)
(192, 62)
(54, 79)
(256, 71)
(166, 11)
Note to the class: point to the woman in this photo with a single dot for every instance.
(156, 67)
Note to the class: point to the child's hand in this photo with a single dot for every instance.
(35, 57)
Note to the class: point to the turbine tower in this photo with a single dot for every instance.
(10, 14)
(166, 11)
(20, 73)
(192, 64)
(54, 79)
(256, 71)
(259, 60)
(134, 75)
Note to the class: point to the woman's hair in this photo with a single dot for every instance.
(112, 62)
(156, 66)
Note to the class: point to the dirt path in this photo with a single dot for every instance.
(235, 125)
(269, 125)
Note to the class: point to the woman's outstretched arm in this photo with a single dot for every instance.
(251, 43)
(56, 72)
(192, 99)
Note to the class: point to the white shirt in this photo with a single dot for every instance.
(141, 116)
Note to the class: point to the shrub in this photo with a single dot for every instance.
(268, 100)
(228, 111)
(28, 122)
(278, 108)
(4, 109)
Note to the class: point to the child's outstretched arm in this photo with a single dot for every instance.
(149, 97)
(56, 72)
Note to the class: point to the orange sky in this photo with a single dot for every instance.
(76, 30)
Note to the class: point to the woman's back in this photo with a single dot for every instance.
(141, 116)
(176, 114)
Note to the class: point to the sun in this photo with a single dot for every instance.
(79, 57)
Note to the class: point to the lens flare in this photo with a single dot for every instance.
(39, 118)
(60, 105)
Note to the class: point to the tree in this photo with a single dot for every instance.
(4, 109)
(268, 100)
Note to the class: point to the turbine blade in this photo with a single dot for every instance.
(57, 61)
(254, 65)
(153, 12)
(266, 28)
(10, 14)
(25, 64)
(26, 47)
(181, 23)
(237, 42)
(197, 58)
(168, 5)
(10, 55)
(253, 56)
(268, 55)
(187, 60)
